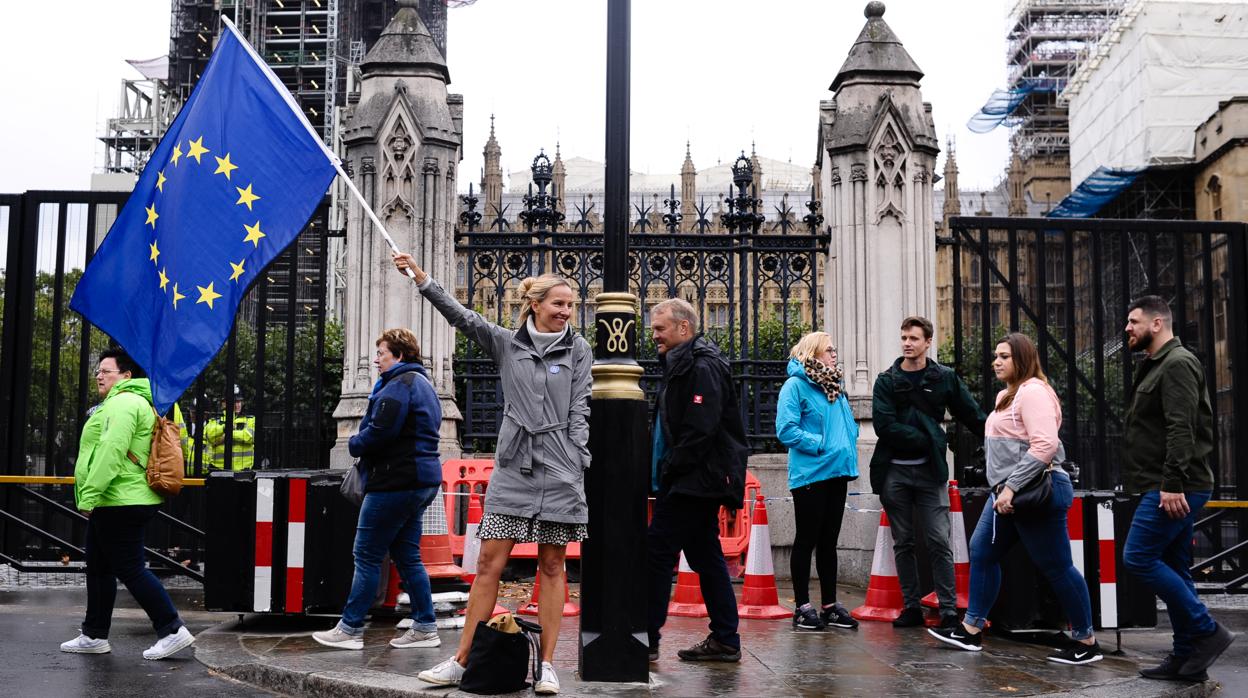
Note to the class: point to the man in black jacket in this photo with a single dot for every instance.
(908, 468)
(699, 464)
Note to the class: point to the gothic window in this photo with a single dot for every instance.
(461, 275)
(1215, 197)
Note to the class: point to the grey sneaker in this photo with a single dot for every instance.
(447, 673)
(335, 637)
(416, 638)
(170, 644)
(86, 645)
(548, 685)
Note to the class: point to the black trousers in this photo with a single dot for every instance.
(115, 551)
(817, 512)
(690, 524)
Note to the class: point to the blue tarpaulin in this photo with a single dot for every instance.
(1100, 188)
(1002, 104)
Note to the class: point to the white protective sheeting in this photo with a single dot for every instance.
(152, 68)
(1168, 68)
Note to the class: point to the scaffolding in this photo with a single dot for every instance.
(147, 108)
(1046, 41)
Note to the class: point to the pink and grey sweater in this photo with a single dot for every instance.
(1021, 440)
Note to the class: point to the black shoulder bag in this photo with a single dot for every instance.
(1033, 498)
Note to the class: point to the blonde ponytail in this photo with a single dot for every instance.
(534, 290)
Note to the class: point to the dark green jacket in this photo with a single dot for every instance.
(892, 402)
(1169, 427)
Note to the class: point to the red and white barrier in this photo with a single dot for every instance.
(262, 596)
(1109, 570)
(295, 524)
(1074, 527)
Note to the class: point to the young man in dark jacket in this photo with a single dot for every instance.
(699, 464)
(398, 450)
(908, 468)
(1168, 435)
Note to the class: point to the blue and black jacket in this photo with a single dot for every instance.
(398, 439)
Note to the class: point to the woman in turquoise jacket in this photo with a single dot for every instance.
(110, 489)
(814, 421)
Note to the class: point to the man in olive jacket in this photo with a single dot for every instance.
(699, 462)
(908, 468)
(1167, 437)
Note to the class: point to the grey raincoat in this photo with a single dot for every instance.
(543, 440)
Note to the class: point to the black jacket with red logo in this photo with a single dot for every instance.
(699, 414)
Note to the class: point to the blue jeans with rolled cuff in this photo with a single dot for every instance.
(390, 521)
(1047, 541)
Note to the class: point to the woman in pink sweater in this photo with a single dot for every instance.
(1022, 444)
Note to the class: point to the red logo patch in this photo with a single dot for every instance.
(697, 399)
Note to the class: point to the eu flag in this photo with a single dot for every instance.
(231, 184)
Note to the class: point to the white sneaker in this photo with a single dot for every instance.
(86, 645)
(403, 599)
(447, 673)
(335, 637)
(405, 624)
(548, 685)
(416, 638)
(170, 644)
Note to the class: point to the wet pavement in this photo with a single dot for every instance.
(278, 653)
(33, 624)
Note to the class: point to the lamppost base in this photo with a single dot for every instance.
(613, 642)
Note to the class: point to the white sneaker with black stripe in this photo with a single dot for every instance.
(1078, 653)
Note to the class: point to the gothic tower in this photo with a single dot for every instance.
(559, 180)
(402, 144)
(492, 177)
(688, 190)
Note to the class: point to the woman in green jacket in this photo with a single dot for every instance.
(110, 489)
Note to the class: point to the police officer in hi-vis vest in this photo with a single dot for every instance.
(243, 452)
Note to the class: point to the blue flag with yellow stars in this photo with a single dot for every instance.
(236, 177)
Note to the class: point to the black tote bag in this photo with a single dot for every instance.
(498, 662)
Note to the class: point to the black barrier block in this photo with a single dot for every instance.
(1137, 606)
(229, 552)
(1134, 605)
(1026, 600)
(329, 536)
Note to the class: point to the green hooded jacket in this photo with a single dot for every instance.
(103, 475)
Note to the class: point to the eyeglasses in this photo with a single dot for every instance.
(100, 371)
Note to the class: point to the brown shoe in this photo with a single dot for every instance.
(710, 650)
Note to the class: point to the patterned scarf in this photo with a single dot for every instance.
(828, 378)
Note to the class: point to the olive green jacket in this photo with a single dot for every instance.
(1169, 425)
(103, 475)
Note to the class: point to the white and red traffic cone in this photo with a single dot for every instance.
(961, 553)
(687, 602)
(530, 609)
(759, 597)
(884, 601)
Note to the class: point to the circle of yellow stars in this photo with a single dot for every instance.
(246, 197)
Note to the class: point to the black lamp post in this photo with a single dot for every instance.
(613, 644)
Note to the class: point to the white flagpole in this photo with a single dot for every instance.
(329, 154)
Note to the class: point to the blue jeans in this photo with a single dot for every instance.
(114, 551)
(1159, 552)
(1047, 542)
(390, 521)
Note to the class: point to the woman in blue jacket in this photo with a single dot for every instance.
(814, 421)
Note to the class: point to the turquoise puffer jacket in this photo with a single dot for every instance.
(822, 436)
